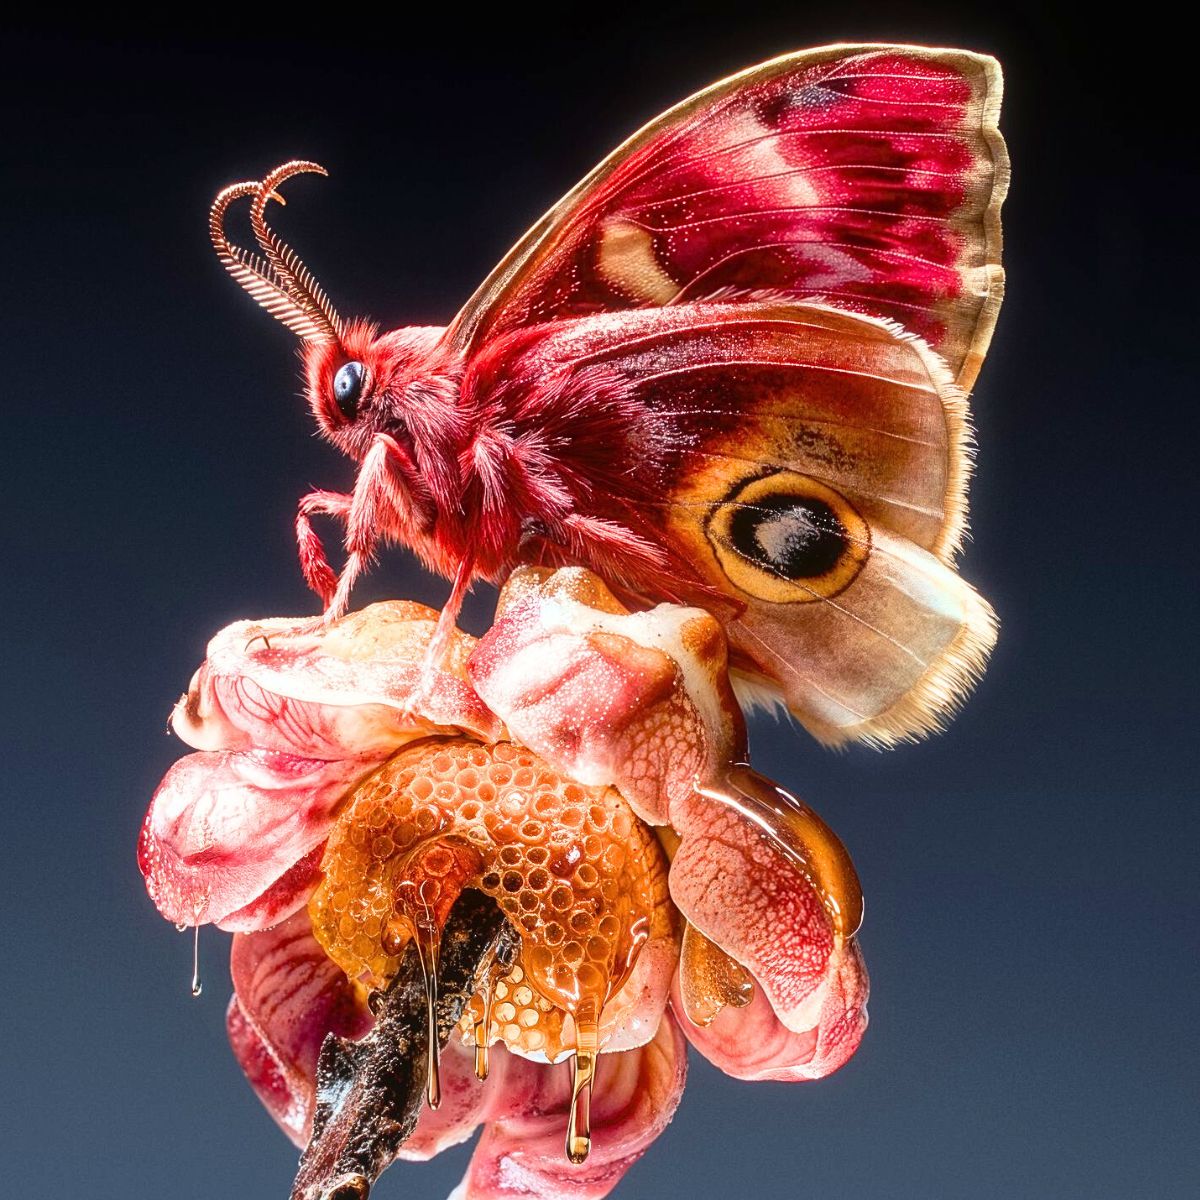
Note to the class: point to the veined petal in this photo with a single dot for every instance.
(287, 996)
(288, 894)
(520, 1155)
(641, 701)
(356, 689)
(761, 875)
(224, 827)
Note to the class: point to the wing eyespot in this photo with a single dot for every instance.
(788, 539)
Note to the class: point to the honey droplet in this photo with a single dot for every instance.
(812, 847)
(483, 1024)
(427, 939)
(637, 936)
(583, 1074)
(483, 1032)
(709, 980)
(482, 1028)
(579, 1124)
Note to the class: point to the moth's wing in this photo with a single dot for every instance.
(804, 472)
(868, 175)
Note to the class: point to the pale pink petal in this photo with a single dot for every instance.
(752, 1043)
(787, 916)
(224, 827)
(521, 1153)
(356, 689)
(640, 1005)
(465, 1101)
(288, 894)
(641, 701)
(287, 996)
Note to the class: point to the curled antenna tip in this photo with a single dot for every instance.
(297, 166)
(278, 280)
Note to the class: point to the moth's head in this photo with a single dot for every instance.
(363, 383)
(358, 381)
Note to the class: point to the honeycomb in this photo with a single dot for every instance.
(577, 874)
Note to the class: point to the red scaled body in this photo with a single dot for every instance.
(729, 368)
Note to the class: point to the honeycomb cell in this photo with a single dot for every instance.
(446, 814)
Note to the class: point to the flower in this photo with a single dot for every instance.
(577, 777)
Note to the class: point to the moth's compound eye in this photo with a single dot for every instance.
(348, 388)
(787, 538)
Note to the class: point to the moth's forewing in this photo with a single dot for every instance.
(807, 464)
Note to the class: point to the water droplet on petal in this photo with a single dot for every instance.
(197, 986)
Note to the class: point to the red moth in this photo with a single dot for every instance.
(729, 369)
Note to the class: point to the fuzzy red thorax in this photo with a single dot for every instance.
(497, 463)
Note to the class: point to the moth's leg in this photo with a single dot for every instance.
(439, 644)
(314, 564)
(448, 619)
(363, 523)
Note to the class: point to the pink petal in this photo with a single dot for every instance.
(641, 1003)
(465, 1101)
(786, 915)
(638, 700)
(287, 996)
(521, 1154)
(752, 1043)
(356, 689)
(224, 827)
(289, 1107)
(288, 894)
(738, 891)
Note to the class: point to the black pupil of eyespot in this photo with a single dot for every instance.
(347, 387)
(796, 537)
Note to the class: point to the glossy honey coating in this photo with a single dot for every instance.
(807, 843)
(572, 868)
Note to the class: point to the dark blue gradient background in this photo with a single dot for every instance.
(1030, 875)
